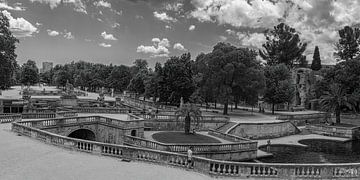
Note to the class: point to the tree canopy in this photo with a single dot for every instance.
(283, 45)
(7, 53)
(29, 73)
(348, 45)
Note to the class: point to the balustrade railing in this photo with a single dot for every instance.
(38, 115)
(203, 165)
(135, 122)
(181, 118)
(6, 118)
(198, 147)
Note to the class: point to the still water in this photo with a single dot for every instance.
(318, 151)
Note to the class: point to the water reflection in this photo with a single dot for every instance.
(318, 151)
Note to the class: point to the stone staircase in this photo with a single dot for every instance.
(226, 127)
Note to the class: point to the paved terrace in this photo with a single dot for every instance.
(25, 158)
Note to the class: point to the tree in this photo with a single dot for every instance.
(177, 79)
(190, 112)
(335, 99)
(316, 63)
(7, 55)
(348, 45)
(283, 45)
(278, 85)
(226, 72)
(119, 78)
(29, 73)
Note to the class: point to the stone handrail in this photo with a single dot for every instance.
(66, 113)
(145, 104)
(175, 117)
(198, 147)
(203, 165)
(103, 110)
(76, 120)
(38, 115)
(228, 137)
(6, 118)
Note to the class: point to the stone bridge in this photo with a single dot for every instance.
(94, 128)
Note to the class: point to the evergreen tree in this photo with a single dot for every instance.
(316, 63)
(348, 45)
(283, 45)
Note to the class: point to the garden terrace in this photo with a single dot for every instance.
(345, 131)
(207, 166)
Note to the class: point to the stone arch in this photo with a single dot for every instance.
(133, 132)
(84, 134)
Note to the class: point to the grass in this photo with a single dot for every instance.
(181, 137)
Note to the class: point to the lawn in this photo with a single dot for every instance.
(181, 137)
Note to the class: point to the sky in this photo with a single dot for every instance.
(120, 31)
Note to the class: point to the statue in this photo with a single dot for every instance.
(69, 88)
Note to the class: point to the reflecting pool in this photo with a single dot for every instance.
(318, 151)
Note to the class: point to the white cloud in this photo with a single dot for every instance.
(68, 35)
(223, 38)
(174, 6)
(20, 26)
(317, 21)
(159, 49)
(251, 39)
(108, 36)
(4, 5)
(168, 27)
(52, 32)
(103, 4)
(38, 24)
(192, 27)
(105, 45)
(52, 3)
(179, 46)
(164, 17)
(78, 5)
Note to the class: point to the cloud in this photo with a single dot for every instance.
(20, 27)
(159, 49)
(251, 39)
(108, 36)
(168, 27)
(38, 24)
(78, 5)
(164, 17)
(52, 32)
(4, 5)
(317, 21)
(105, 45)
(102, 4)
(68, 35)
(177, 6)
(179, 46)
(192, 27)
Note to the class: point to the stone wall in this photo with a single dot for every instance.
(173, 125)
(337, 131)
(264, 130)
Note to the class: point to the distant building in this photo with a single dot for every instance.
(46, 66)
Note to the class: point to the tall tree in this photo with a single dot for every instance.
(7, 55)
(283, 45)
(119, 78)
(348, 45)
(316, 63)
(278, 85)
(29, 73)
(336, 98)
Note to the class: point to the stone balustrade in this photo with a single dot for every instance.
(6, 118)
(69, 113)
(102, 110)
(141, 104)
(38, 115)
(198, 147)
(210, 167)
(136, 122)
(181, 118)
